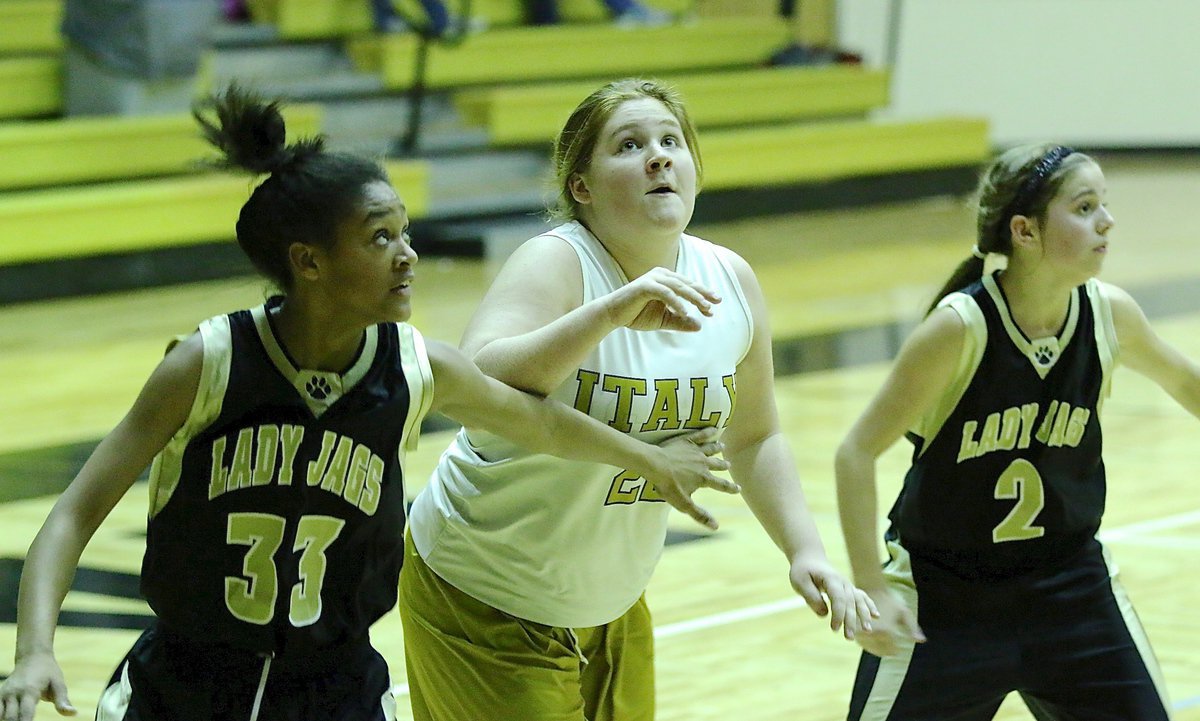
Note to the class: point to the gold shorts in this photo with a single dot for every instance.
(468, 661)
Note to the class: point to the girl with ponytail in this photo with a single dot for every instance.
(995, 581)
(277, 436)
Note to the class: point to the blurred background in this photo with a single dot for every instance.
(841, 141)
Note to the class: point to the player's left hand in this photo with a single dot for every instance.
(828, 592)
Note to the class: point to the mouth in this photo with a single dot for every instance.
(663, 189)
(404, 287)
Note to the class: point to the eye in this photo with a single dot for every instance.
(670, 141)
(1086, 207)
(382, 237)
(629, 144)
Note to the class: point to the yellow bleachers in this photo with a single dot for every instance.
(30, 86)
(816, 152)
(139, 215)
(75, 150)
(312, 19)
(30, 26)
(511, 55)
(526, 114)
(499, 13)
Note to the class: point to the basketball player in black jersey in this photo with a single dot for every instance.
(992, 544)
(277, 435)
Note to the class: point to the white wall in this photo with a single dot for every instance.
(1113, 73)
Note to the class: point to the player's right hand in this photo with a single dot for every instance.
(893, 630)
(660, 299)
(691, 459)
(36, 676)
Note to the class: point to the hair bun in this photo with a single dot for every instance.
(250, 132)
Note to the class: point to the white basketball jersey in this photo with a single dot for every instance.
(573, 544)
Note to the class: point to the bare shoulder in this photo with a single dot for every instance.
(938, 338)
(183, 361)
(544, 260)
(1120, 300)
(541, 281)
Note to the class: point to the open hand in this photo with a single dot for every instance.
(690, 461)
(35, 676)
(828, 592)
(660, 299)
(894, 629)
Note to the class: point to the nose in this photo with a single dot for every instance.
(1106, 220)
(659, 160)
(405, 253)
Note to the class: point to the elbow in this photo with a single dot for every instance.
(850, 459)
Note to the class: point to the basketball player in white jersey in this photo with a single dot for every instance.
(523, 593)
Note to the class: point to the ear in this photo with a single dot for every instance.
(1023, 230)
(304, 261)
(579, 190)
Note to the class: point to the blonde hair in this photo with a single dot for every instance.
(578, 138)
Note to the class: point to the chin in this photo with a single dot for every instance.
(396, 314)
(674, 222)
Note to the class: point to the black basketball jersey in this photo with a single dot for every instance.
(1006, 472)
(277, 512)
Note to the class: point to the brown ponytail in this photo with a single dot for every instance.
(1021, 181)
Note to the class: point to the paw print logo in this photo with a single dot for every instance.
(1044, 355)
(318, 388)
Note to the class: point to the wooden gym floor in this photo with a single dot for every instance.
(734, 644)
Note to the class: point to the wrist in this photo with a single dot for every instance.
(608, 311)
(654, 460)
(871, 581)
(35, 649)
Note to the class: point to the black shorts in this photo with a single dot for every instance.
(1067, 640)
(168, 676)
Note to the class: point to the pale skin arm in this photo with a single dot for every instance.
(531, 330)
(1148, 354)
(676, 468)
(761, 462)
(159, 411)
(920, 375)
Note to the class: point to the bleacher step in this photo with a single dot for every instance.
(278, 61)
(491, 183)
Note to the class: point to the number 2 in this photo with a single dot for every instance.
(1022, 482)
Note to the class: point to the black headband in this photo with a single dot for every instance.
(1029, 190)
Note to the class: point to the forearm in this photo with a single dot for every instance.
(48, 571)
(857, 507)
(539, 361)
(770, 484)
(1186, 389)
(562, 431)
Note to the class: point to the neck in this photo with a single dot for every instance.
(313, 337)
(640, 252)
(1038, 302)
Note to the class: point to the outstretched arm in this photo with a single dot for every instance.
(159, 411)
(1145, 352)
(923, 369)
(761, 461)
(531, 330)
(676, 468)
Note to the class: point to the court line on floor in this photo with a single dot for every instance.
(1154, 524)
(761, 610)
